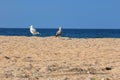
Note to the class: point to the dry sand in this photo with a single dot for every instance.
(50, 58)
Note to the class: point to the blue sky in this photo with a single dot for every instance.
(85, 14)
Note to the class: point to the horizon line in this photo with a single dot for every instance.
(57, 28)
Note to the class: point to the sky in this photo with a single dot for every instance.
(83, 14)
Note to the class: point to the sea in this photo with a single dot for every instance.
(71, 33)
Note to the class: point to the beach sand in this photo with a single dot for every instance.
(51, 58)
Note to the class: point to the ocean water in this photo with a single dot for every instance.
(72, 33)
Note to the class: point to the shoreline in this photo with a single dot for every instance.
(61, 37)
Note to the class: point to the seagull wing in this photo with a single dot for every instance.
(33, 30)
(58, 32)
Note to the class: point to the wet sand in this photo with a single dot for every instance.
(51, 58)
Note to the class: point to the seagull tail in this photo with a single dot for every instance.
(37, 33)
(56, 35)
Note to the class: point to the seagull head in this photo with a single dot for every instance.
(31, 26)
(60, 28)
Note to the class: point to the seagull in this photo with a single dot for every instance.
(33, 30)
(59, 32)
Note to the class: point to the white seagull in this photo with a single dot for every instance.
(59, 32)
(33, 30)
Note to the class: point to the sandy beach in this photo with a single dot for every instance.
(51, 58)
